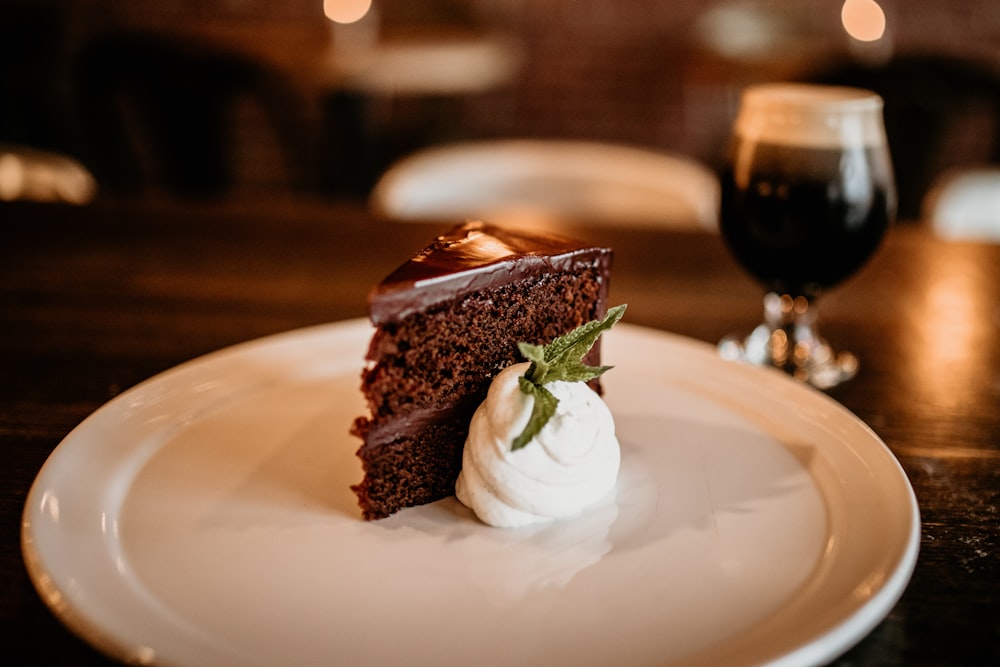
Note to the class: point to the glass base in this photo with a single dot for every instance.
(788, 340)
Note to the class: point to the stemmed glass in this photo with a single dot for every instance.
(807, 195)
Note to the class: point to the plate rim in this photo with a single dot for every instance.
(823, 647)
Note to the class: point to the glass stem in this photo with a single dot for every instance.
(790, 329)
(788, 339)
(794, 344)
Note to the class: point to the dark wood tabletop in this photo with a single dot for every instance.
(96, 299)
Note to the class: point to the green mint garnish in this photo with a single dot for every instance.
(562, 359)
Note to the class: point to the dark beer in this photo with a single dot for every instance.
(806, 199)
(801, 219)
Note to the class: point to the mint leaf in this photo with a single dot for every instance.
(568, 351)
(576, 373)
(581, 339)
(560, 360)
(543, 408)
(536, 355)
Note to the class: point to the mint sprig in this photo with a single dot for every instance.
(562, 359)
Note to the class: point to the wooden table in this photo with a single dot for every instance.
(94, 300)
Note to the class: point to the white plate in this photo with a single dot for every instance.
(204, 518)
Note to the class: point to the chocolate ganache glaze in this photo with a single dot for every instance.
(474, 256)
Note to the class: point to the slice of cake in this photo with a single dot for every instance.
(447, 321)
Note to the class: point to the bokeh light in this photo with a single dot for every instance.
(863, 20)
(346, 11)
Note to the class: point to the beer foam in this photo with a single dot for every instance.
(811, 116)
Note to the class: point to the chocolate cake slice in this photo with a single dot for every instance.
(447, 321)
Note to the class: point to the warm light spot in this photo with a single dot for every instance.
(951, 314)
(11, 177)
(346, 11)
(863, 20)
(949, 334)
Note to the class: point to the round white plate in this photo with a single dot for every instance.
(204, 518)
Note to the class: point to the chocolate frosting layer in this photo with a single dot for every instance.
(474, 256)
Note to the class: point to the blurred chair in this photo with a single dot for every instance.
(36, 175)
(160, 112)
(940, 112)
(965, 204)
(522, 180)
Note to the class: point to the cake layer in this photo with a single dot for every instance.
(440, 356)
(412, 469)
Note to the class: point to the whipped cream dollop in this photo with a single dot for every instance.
(572, 463)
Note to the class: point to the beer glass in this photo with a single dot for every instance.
(807, 195)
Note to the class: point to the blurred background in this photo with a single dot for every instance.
(225, 100)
